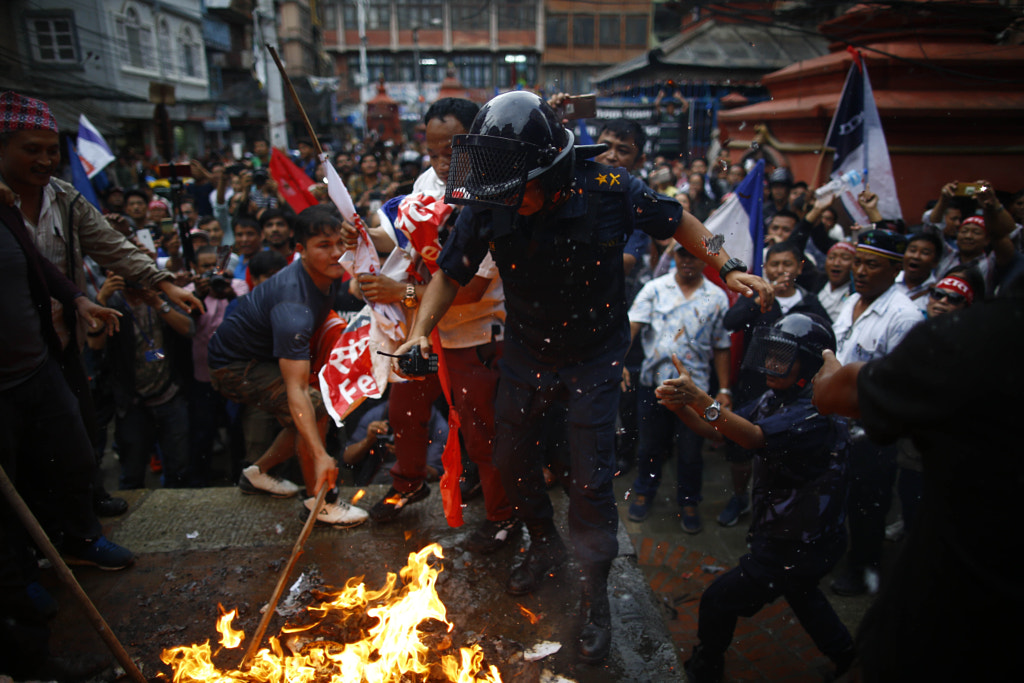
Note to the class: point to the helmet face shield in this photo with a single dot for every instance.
(772, 352)
(488, 171)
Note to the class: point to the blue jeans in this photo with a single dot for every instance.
(143, 427)
(659, 428)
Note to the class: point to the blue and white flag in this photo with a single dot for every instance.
(79, 178)
(739, 220)
(92, 148)
(857, 137)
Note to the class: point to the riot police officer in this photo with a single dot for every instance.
(556, 224)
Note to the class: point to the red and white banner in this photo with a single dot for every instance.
(348, 377)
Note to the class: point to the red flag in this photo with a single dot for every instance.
(293, 183)
(347, 378)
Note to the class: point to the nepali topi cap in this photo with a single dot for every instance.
(18, 112)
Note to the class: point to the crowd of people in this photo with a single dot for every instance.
(587, 328)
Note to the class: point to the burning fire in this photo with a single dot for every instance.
(378, 639)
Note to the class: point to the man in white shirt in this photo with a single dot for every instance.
(872, 322)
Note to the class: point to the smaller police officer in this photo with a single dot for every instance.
(799, 492)
(556, 225)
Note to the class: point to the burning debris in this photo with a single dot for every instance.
(398, 633)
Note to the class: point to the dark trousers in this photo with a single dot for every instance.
(872, 475)
(474, 376)
(591, 390)
(629, 418)
(660, 431)
(140, 428)
(773, 569)
(46, 452)
(206, 412)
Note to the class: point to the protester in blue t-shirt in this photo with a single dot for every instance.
(260, 356)
(798, 497)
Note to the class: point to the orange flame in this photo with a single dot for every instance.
(358, 496)
(534, 618)
(229, 637)
(389, 651)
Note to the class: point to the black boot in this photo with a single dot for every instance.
(546, 553)
(596, 636)
(704, 668)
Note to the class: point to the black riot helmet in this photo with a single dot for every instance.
(797, 335)
(515, 138)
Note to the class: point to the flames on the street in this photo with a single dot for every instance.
(354, 635)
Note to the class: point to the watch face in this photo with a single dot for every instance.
(712, 412)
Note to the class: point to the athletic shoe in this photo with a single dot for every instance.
(338, 514)
(734, 509)
(491, 536)
(640, 508)
(100, 553)
(394, 500)
(254, 481)
(691, 520)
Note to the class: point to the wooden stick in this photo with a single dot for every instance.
(67, 578)
(295, 99)
(254, 644)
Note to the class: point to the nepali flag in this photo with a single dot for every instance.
(93, 151)
(79, 176)
(738, 222)
(293, 183)
(859, 143)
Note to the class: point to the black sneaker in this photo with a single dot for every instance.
(393, 502)
(491, 536)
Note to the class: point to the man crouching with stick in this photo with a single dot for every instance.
(260, 356)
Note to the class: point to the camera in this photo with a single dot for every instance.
(260, 177)
(220, 283)
(387, 438)
(413, 364)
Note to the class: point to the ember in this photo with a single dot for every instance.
(393, 634)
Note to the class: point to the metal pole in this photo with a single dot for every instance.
(277, 130)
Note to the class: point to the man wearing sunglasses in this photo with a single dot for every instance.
(871, 323)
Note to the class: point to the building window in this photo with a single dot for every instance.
(378, 15)
(422, 13)
(609, 31)
(517, 14)
(166, 48)
(471, 16)
(636, 30)
(517, 70)
(556, 30)
(53, 39)
(474, 70)
(135, 40)
(191, 57)
(583, 30)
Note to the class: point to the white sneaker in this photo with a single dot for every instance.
(254, 481)
(338, 514)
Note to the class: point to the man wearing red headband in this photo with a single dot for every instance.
(983, 241)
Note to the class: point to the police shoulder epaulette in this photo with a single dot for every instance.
(605, 178)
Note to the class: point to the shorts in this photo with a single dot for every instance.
(259, 384)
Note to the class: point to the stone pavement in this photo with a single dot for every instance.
(656, 627)
(771, 646)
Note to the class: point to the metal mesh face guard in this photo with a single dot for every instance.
(489, 171)
(772, 352)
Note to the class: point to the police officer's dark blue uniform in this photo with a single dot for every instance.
(799, 498)
(560, 260)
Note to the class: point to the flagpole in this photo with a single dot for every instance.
(295, 99)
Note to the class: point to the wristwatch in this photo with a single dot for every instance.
(165, 308)
(713, 411)
(731, 265)
(410, 300)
